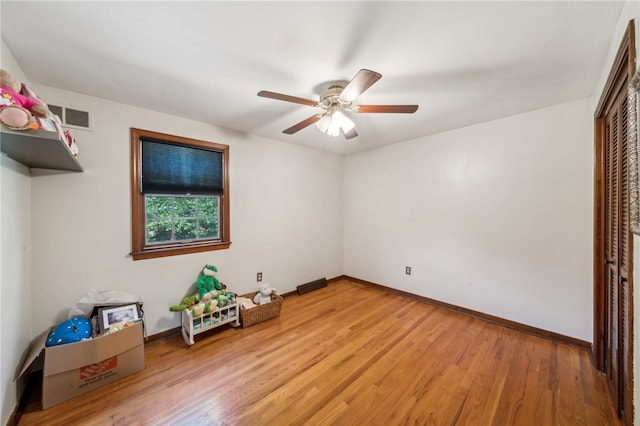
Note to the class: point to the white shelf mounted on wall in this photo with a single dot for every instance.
(38, 149)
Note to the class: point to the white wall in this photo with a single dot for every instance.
(495, 217)
(286, 217)
(15, 265)
(16, 276)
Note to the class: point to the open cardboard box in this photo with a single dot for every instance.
(73, 369)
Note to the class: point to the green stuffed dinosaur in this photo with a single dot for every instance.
(206, 288)
(207, 281)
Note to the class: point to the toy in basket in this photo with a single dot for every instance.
(258, 307)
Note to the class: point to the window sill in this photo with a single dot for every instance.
(151, 253)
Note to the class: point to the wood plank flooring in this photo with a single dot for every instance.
(349, 354)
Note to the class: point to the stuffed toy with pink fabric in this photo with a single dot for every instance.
(16, 109)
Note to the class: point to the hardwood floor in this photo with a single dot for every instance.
(349, 354)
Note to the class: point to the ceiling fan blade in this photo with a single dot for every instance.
(361, 82)
(301, 125)
(406, 109)
(350, 134)
(286, 98)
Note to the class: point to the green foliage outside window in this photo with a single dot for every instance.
(181, 218)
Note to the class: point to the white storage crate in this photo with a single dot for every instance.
(222, 315)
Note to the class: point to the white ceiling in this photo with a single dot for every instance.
(461, 62)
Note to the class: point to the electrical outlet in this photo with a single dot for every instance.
(259, 277)
(407, 270)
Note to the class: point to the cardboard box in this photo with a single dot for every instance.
(76, 368)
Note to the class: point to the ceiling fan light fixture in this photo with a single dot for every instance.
(333, 131)
(336, 99)
(342, 121)
(333, 121)
(324, 123)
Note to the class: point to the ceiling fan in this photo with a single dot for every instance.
(338, 98)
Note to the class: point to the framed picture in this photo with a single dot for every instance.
(634, 151)
(117, 314)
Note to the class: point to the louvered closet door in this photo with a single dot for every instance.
(617, 249)
(624, 291)
(611, 250)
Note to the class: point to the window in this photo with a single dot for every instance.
(179, 195)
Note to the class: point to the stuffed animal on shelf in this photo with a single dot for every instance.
(264, 294)
(17, 110)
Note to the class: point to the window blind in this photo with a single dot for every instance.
(179, 169)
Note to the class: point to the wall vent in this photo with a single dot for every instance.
(74, 118)
(313, 285)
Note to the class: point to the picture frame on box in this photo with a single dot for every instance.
(108, 317)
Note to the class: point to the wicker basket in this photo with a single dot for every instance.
(260, 313)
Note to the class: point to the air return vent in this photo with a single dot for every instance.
(313, 285)
(72, 117)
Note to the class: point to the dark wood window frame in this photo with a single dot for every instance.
(139, 249)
